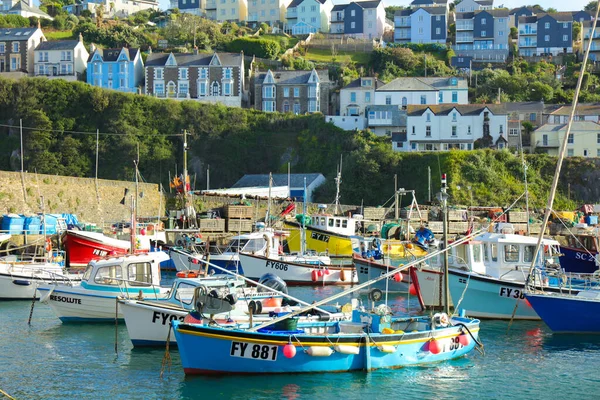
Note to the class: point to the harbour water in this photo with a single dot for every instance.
(49, 360)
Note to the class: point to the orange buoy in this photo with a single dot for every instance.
(271, 302)
(434, 347)
(314, 275)
(412, 289)
(343, 276)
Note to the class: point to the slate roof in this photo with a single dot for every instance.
(339, 7)
(432, 10)
(113, 54)
(485, 2)
(525, 106)
(577, 126)
(533, 9)
(368, 4)
(582, 109)
(357, 84)
(419, 2)
(191, 59)
(497, 13)
(465, 15)
(262, 180)
(58, 45)
(559, 16)
(463, 109)
(293, 77)
(528, 19)
(295, 3)
(16, 33)
(404, 12)
(22, 6)
(421, 84)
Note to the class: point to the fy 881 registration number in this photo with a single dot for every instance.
(253, 351)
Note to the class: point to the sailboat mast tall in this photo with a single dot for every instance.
(338, 181)
(268, 217)
(303, 230)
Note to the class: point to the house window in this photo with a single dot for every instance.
(413, 146)
(455, 97)
(202, 88)
(227, 89)
(159, 73)
(286, 106)
(122, 83)
(353, 97)
(227, 73)
(483, 22)
(423, 99)
(598, 138)
(286, 92)
(420, 18)
(483, 33)
(388, 100)
(184, 88)
(428, 119)
(312, 106)
(404, 102)
(597, 152)
(367, 97)
(313, 8)
(269, 106)
(296, 108)
(184, 73)
(413, 130)
(453, 117)
(546, 38)
(441, 97)
(15, 47)
(15, 63)
(302, 9)
(501, 131)
(547, 25)
(296, 92)
(585, 152)
(437, 31)
(420, 31)
(570, 152)
(532, 117)
(565, 25)
(366, 82)
(469, 131)
(500, 33)
(268, 92)
(453, 130)
(352, 25)
(565, 38)
(313, 19)
(204, 73)
(65, 56)
(571, 139)
(352, 13)
(545, 140)
(2, 48)
(513, 132)
(370, 24)
(159, 88)
(428, 131)
(438, 17)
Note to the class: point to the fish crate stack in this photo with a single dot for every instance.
(414, 216)
(211, 225)
(374, 213)
(239, 218)
(457, 221)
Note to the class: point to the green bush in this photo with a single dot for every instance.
(262, 48)
(14, 21)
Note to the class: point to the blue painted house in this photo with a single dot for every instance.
(117, 69)
(359, 19)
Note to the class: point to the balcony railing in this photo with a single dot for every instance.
(464, 26)
(527, 31)
(527, 44)
(464, 38)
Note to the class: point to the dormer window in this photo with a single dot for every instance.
(453, 81)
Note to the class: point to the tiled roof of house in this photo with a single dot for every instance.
(465, 15)
(533, 9)
(527, 19)
(432, 10)
(293, 77)
(191, 59)
(357, 83)
(485, 2)
(113, 54)
(463, 109)
(262, 180)
(58, 45)
(497, 13)
(368, 4)
(22, 6)
(295, 3)
(339, 7)
(16, 33)
(404, 12)
(422, 84)
(419, 2)
(559, 16)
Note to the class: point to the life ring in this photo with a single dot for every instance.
(376, 243)
(48, 244)
(441, 320)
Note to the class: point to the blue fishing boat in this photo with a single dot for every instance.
(580, 252)
(370, 341)
(568, 312)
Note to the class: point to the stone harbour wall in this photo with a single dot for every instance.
(21, 194)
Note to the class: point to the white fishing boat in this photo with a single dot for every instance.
(105, 280)
(19, 278)
(299, 269)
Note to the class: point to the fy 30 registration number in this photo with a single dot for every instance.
(253, 351)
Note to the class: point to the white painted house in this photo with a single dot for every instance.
(63, 59)
(308, 16)
(431, 90)
(474, 5)
(447, 126)
(358, 95)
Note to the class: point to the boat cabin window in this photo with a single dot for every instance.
(476, 253)
(528, 253)
(331, 222)
(486, 254)
(255, 245)
(511, 253)
(140, 274)
(322, 221)
(345, 223)
(494, 251)
(88, 272)
(110, 275)
(461, 254)
(337, 223)
(185, 293)
(236, 245)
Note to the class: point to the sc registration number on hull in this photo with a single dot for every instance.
(253, 351)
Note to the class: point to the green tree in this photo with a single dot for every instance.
(576, 31)
(591, 6)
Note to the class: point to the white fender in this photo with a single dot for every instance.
(346, 349)
(319, 351)
(387, 348)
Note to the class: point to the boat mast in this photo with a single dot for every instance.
(563, 147)
(338, 181)
(444, 199)
(303, 230)
(185, 177)
(268, 216)
(525, 179)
